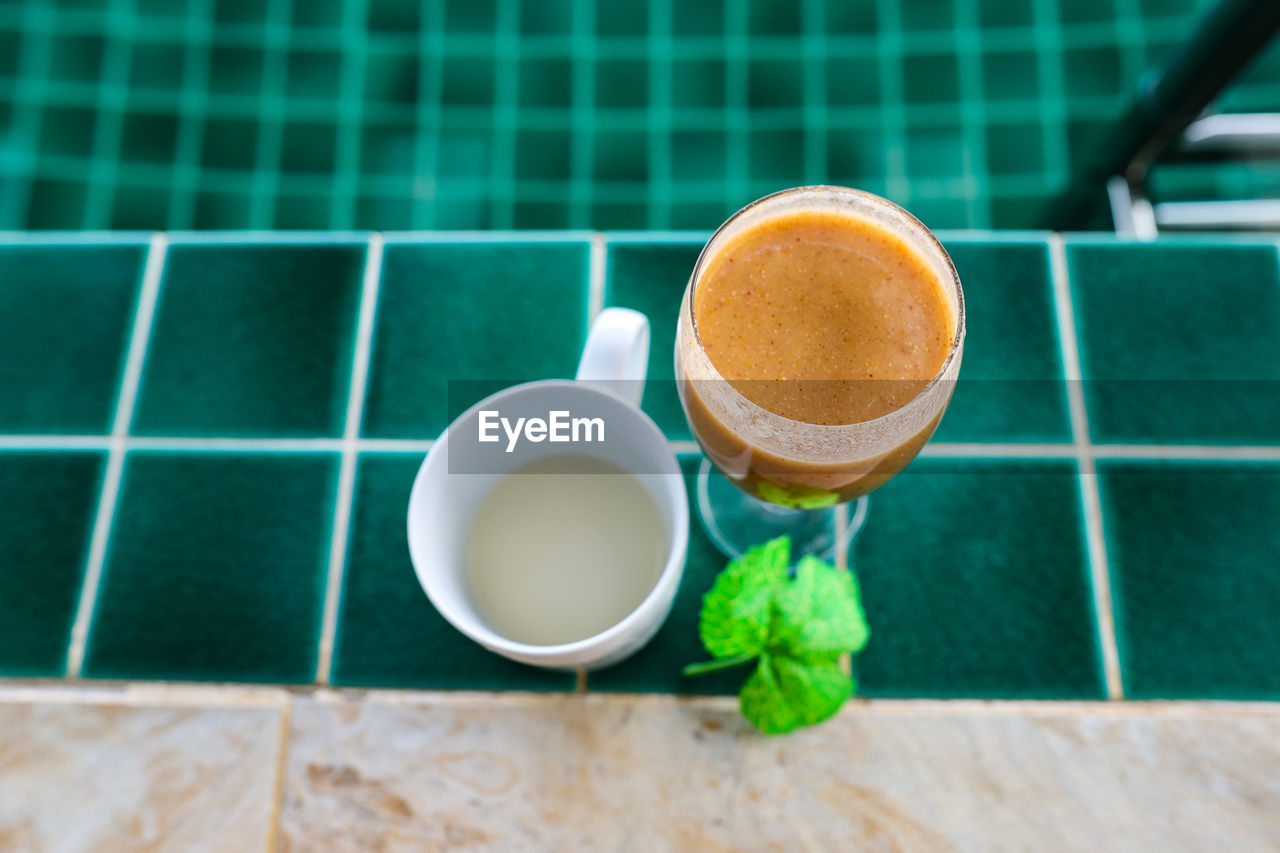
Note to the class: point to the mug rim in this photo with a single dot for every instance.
(474, 628)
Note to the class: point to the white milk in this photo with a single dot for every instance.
(562, 549)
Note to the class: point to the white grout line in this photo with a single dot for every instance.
(499, 236)
(222, 695)
(139, 337)
(595, 284)
(315, 238)
(657, 236)
(55, 442)
(1098, 569)
(242, 445)
(350, 448)
(978, 235)
(935, 449)
(394, 445)
(1187, 452)
(954, 450)
(75, 238)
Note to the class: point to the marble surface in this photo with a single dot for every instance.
(660, 774)
(118, 774)
(207, 768)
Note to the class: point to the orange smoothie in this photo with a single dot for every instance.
(824, 319)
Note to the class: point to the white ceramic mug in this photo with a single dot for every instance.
(459, 471)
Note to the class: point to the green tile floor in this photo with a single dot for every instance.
(464, 114)
(205, 469)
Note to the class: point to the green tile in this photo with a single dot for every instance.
(66, 313)
(149, 138)
(392, 78)
(216, 568)
(303, 211)
(1007, 75)
(387, 150)
(49, 501)
(393, 16)
(68, 131)
(775, 83)
(700, 215)
(230, 144)
(976, 584)
(854, 155)
(478, 16)
(541, 214)
(853, 80)
(493, 311)
(155, 67)
(620, 155)
(705, 18)
(937, 15)
(850, 18)
(770, 18)
(622, 19)
(236, 70)
(1080, 11)
(467, 81)
(544, 155)
(10, 53)
(1016, 149)
(700, 155)
(389, 634)
(656, 667)
(55, 202)
(993, 15)
(546, 82)
(1179, 343)
(702, 83)
(313, 73)
(1011, 385)
(651, 277)
(1093, 71)
(931, 79)
(220, 210)
(948, 211)
(239, 11)
(1084, 137)
(1018, 212)
(309, 147)
(135, 208)
(622, 83)
(550, 17)
(775, 155)
(1192, 552)
(317, 13)
(934, 153)
(76, 58)
(252, 340)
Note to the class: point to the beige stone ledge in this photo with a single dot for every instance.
(562, 773)
(101, 766)
(106, 776)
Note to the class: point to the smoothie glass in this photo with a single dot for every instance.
(766, 474)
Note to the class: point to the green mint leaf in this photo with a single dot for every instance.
(818, 613)
(737, 611)
(796, 496)
(784, 694)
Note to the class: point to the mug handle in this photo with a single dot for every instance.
(617, 353)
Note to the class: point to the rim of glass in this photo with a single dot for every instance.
(957, 338)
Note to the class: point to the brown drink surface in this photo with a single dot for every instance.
(838, 303)
(822, 318)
